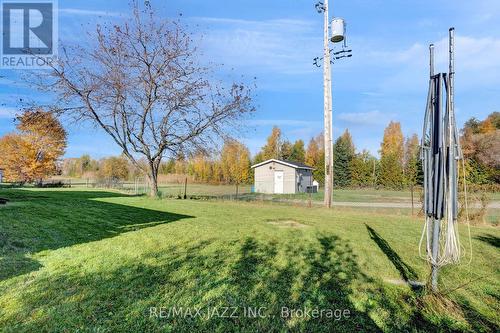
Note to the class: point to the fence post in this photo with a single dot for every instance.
(310, 191)
(185, 188)
(412, 205)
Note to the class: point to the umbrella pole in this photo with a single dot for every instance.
(435, 254)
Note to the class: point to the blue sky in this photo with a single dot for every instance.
(275, 41)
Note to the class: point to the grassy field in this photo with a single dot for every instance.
(345, 195)
(356, 195)
(196, 189)
(97, 261)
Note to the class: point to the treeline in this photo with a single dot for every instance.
(398, 166)
(230, 166)
(114, 167)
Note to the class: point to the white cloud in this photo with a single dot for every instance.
(282, 122)
(84, 12)
(482, 11)
(476, 65)
(7, 112)
(372, 94)
(386, 57)
(365, 118)
(471, 53)
(294, 25)
(280, 46)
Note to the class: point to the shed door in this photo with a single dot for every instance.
(278, 182)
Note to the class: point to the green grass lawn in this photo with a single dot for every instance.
(345, 195)
(96, 261)
(357, 195)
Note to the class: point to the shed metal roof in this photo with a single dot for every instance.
(296, 165)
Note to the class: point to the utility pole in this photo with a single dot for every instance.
(327, 87)
(338, 35)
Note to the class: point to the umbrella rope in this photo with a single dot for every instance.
(451, 250)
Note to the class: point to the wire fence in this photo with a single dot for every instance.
(140, 186)
(485, 200)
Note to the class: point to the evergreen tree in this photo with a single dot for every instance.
(298, 152)
(286, 150)
(343, 153)
(363, 169)
(391, 172)
(420, 172)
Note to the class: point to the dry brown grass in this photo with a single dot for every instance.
(287, 224)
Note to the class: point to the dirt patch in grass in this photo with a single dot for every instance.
(287, 224)
(401, 282)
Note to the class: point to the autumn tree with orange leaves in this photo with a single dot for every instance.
(481, 146)
(315, 157)
(391, 157)
(235, 163)
(30, 154)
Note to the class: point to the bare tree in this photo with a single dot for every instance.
(141, 82)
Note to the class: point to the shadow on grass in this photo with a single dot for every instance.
(423, 302)
(90, 294)
(252, 274)
(478, 322)
(45, 220)
(226, 276)
(406, 271)
(490, 239)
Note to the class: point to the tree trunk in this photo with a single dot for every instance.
(153, 180)
(154, 188)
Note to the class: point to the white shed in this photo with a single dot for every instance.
(282, 177)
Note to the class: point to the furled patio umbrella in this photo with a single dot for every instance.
(440, 153)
